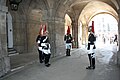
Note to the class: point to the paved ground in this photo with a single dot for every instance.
(71, 68)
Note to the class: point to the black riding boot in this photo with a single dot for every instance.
(67, 52)
(90, 61)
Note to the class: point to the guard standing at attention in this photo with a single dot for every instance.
(91, 48)
(68, 40)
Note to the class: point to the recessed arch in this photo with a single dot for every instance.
(116, 17)
(68, 22)
(96, 7)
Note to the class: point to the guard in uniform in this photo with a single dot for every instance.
(38, 41)
(68, 40)
(45, 44)
(91, 48)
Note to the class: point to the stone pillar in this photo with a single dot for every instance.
(4, 59)
(56, 33)
(75, 33)
(118, 53)
(84, 34)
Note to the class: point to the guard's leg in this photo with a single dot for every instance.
(90, 61)
(93, 60)
(93, 63)
(47, 58)
(40, 56)
(67, 52)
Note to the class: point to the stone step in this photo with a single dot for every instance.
(12, 52)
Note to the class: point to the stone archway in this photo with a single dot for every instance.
(53, 13)
(90, 11)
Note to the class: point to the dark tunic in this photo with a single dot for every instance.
(68, 38)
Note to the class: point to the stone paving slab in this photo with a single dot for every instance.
(69, 68)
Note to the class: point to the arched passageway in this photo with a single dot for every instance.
(106, 27)
(31, 14)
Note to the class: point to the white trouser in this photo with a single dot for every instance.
(68, 45)
(91, 51)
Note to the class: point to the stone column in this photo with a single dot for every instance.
(56, 33)
(84, 34)
(118, 53)
(4, 59)
(75, 33)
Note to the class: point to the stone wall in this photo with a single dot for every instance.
(118, 58)
(19, 32)
(4, 59)
(118, 53)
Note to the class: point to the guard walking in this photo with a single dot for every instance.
(38, 41)
(45, 44)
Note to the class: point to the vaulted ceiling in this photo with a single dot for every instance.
(76, 9)
(86, 9)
